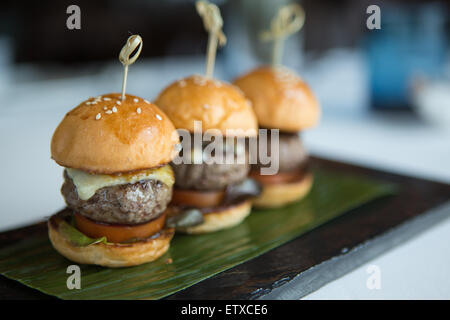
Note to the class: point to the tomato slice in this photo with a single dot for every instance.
(118, 232)
(197, 199)
(281, 177)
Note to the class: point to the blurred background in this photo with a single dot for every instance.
(385, 93)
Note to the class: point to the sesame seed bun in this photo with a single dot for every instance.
(281, 100)
(111, 255)
(222, 218)
(107, 135)
(281, 194)
(218, 105)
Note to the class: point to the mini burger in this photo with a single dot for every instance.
(209, 196)
(117, 181)
(281, 100)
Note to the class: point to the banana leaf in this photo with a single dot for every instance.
(34, 263)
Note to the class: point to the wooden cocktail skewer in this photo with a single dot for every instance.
(212, 20)
(134, 42)
(288, 20)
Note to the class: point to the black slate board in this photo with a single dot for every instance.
(310, 261)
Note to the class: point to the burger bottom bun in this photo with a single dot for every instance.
(223, 218)
(280, 194)
(112, 255)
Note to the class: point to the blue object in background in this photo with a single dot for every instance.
(411, 43)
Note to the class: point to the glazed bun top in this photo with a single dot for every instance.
(218, 105)
(108, 135)
(280, 99)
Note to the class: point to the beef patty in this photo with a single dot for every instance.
(208, 176)
(291, 154)
(213, 176)
(124, 204)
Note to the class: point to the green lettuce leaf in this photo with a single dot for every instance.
(76, 237)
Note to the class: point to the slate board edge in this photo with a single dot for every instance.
(318, 276)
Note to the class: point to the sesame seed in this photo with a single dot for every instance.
(158, 117)
(119, 103)
(200, 82)
(105, 108)
(94, 102)
(138, 110)
(108, 112)
(88, 103)
(98, 116)
(205, 106)
(135, 99)
(146, 101)
(107, 99)
(114, 109)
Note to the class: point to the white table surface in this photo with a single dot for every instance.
(30, 184)
(419, 268)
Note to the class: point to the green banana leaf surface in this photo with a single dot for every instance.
(35, 263)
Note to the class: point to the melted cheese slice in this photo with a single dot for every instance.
(87, 184)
